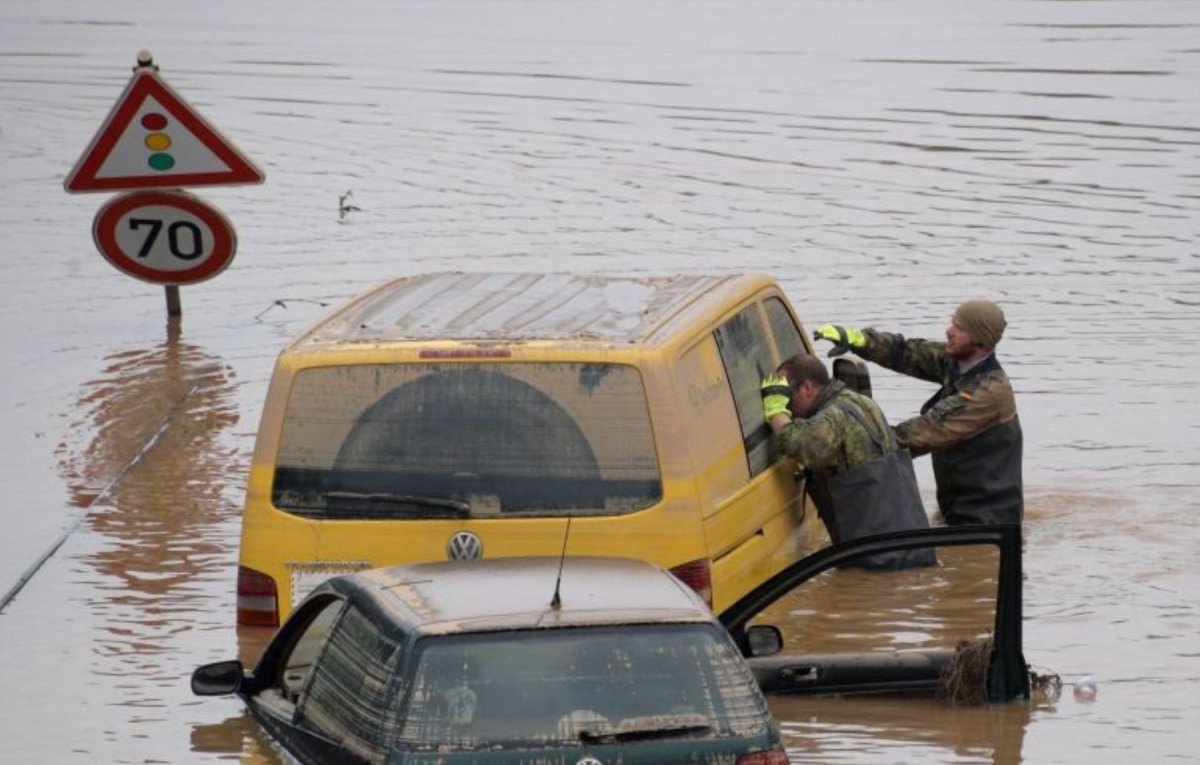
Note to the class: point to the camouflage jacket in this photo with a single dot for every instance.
(967, 404)
(831, 441)
(970, 428)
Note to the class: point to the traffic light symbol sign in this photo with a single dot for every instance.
(153, 139)
(157, 141)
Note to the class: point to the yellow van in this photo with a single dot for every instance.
(466, 415)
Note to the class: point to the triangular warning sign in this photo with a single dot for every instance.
(153, 139)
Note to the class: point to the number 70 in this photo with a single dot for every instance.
(184, 238)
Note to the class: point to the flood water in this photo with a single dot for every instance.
(885, 159)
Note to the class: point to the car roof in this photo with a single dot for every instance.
(516, 593)
(526, 307)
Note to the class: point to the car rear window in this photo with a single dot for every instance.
(573, 686)
(466, 440)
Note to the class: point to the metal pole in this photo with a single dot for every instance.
(173, 306)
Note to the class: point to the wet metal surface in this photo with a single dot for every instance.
(516, 306)
(884, 159)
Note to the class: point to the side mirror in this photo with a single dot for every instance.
(853, 372)
(764, 640)
(219, 679)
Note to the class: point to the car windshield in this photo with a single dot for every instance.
(574, 687)
(465, 440)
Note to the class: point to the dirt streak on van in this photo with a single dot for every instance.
(460, 415)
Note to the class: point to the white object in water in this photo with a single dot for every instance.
(1085, 688)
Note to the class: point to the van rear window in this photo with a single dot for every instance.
(463, 440)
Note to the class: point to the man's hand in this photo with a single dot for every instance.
(843, 338)
(776, 395)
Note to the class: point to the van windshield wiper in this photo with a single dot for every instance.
(394, 504)
(630, 730)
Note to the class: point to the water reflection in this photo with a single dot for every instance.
(852, 610)
(154, 475)
(883, 730)
(239, 735)
(158, 481)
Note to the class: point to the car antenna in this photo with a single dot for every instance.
(556, 601)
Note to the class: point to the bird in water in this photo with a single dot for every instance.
(344, 207)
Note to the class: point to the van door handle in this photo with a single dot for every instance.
(802, 673)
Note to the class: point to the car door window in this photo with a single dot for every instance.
(747, 356)
(312, 627)
(845, 629)
(346, 699)
(788, 338)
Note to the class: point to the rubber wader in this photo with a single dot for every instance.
(876, 497)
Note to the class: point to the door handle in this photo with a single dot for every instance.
(804, 673)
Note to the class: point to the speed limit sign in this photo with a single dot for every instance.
(164, 237)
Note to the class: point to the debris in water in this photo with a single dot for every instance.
(283, 304)
(344, 208)
(964, 680)
(1044, 686)
(1085, 689)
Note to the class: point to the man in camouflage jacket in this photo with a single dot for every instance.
(970, 426)
(823, 436)
(859, 478)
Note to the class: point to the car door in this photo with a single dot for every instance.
(284, 680)
(824, 625)
(752, 508)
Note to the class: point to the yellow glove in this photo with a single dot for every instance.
(776, 395)
(843, 338)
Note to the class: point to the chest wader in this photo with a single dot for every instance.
(879, 496)
(979, 479)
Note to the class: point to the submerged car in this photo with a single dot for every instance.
(561, 661)
(510, 660)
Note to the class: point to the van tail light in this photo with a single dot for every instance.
(774, 756)
(696, 574)
(257, 599)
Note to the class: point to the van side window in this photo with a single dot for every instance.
(788, 337)
(746, 354)
(347, 699)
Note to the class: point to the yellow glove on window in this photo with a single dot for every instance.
(776, 395)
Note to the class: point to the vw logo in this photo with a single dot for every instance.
(464, 546)
(589, 760)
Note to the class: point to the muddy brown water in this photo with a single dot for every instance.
(884, 159)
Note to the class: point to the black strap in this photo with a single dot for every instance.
(875, 436)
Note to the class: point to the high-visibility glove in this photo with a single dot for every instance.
(776, 395)
(843, 338)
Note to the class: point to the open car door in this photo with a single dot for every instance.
(825, 626)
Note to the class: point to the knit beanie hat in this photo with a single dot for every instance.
(983, 320)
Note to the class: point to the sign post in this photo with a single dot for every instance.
(152, 139)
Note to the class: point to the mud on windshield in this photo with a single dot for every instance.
(570, 686)
(463, 440)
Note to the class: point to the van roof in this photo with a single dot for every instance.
(515, 593)
(529, 306)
